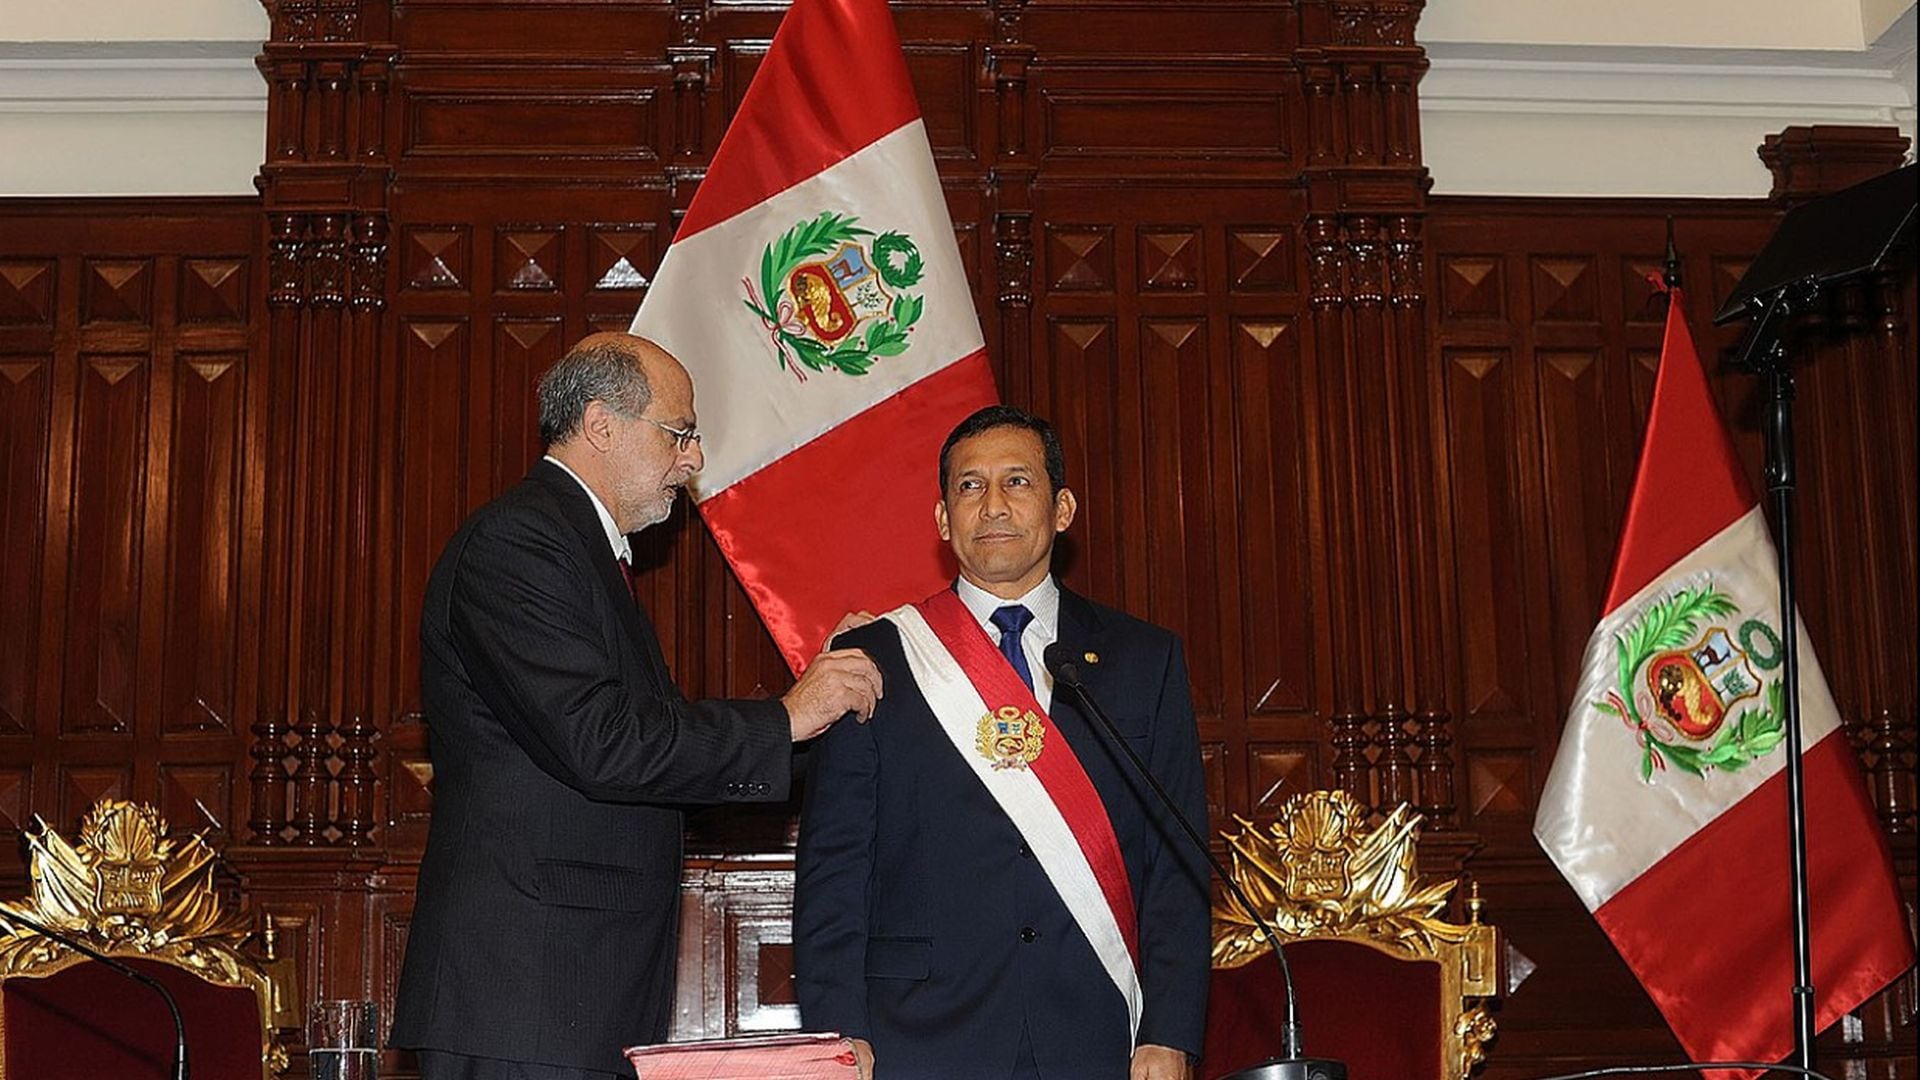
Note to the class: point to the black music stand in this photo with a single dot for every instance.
(1824, 242)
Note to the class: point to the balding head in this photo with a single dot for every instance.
(619, 369)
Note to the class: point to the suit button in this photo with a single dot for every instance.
(1028, 933)
(1026, 852)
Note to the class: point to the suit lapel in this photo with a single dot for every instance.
(1081, 631)
(576, 507)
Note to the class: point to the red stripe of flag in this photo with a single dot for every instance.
(795, 121)
(1705, 928)
(1690, 484)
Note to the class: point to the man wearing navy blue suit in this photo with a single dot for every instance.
(929, 924)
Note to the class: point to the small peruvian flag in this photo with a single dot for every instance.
(816, 295)
(1666, 806)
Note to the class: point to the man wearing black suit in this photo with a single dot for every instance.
(929, 921)
(543, 936)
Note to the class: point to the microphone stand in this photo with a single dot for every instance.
(179, 1025)
(1291, 1064)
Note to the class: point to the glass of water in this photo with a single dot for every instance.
(343, 1040)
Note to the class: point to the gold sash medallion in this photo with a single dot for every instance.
(1009, 738)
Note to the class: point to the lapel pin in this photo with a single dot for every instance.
(1092, 657)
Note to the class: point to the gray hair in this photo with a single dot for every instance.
(605, 371)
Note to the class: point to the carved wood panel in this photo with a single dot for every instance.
(130, 386)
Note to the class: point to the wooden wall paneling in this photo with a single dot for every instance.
(1891, 748)
(127, 365)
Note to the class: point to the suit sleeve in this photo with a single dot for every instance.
(833, 869)
(1175, 922)
(521, 613)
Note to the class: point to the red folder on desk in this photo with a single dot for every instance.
(769, 1057)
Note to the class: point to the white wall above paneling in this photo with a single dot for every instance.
(133, 20)
(1533, 119)
(1711, 24)
(131, 118)
(1525, 97)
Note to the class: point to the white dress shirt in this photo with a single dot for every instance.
(622, 550)
(1044, 630)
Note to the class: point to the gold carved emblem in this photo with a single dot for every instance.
(1010, 738)
(1320, 871)
(129, 888)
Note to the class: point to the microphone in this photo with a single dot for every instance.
(1291, 1065)
(179, 1025)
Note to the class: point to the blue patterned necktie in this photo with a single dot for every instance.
(1012, 621)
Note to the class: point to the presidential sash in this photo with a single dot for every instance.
(1000, 731)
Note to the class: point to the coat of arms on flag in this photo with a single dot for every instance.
(831, 295)
(1678, 685)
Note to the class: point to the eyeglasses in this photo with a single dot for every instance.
(682, 437)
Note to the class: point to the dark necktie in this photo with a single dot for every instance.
(632, 579)
(1012, 621)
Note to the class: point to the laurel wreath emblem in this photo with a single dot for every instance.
(1669, 624)
(895, 259)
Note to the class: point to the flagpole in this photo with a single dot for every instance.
(1766, 357)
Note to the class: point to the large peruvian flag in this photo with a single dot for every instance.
(816, 294)
(1666, 806)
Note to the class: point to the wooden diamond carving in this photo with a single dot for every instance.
(1476, 364)
(1260, 259)
(410, 779)
(213, 290)
(527, 260)
(82, 786)
(435, 257)
(1169, 260)
(1500, 785)
(1563, 289)
(1277, 772)
(195, 795)
(1080, 259)
(117, 291)
(1472, 287)
(26, 292)
(432, 334)
(620, 257)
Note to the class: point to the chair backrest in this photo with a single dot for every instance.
(128, 890)
(1386, 984)
(86, 1021)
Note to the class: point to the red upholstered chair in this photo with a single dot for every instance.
(131, 892)
(1386, 984)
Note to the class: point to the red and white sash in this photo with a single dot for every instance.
(966, 681)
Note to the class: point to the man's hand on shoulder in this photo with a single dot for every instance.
(838, 682)
(849, 621)
(1159, 1063)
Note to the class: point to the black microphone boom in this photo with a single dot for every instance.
(1291, 1065)
(179, 1025)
